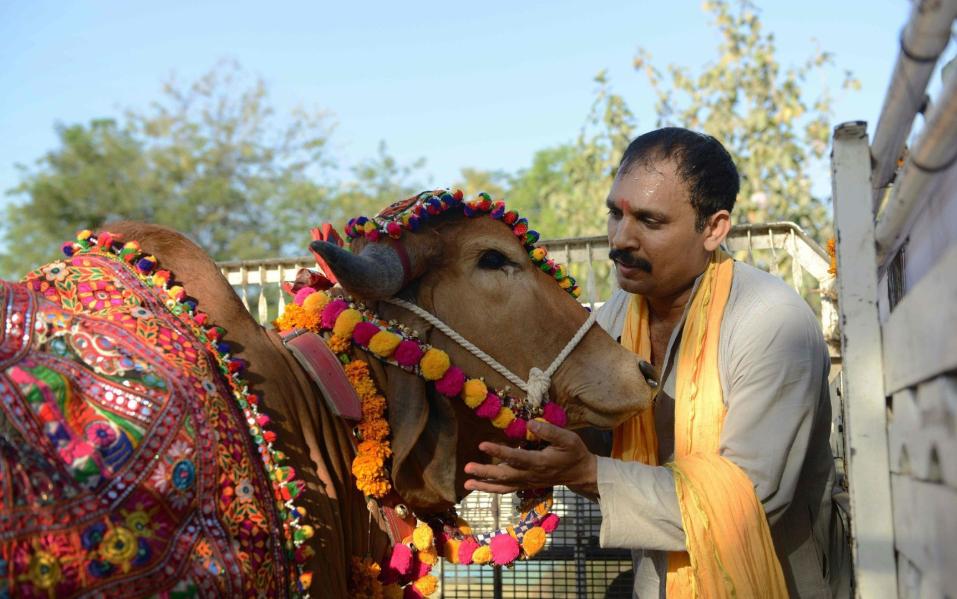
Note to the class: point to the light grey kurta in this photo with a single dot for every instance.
(773, 365)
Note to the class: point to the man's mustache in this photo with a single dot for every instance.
(630, 260)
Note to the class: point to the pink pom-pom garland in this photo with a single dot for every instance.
(500, 547)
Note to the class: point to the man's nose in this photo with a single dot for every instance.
(625, 235)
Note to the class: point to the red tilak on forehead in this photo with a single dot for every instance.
(622, 203)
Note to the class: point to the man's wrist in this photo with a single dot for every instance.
(587, 483)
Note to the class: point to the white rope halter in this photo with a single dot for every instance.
(536, 388)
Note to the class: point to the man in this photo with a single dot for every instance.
(724, 487)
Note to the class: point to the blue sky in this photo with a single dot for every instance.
(460, 84)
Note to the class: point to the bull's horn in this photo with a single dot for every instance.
(375, 273)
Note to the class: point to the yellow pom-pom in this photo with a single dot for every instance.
(384, 343)
(565, 283)
(315, 302)
(429, 556)
(426, 585)
(533, 541)
(529, 434)
(422, 537)
(392, 591)
(474, 393)
(504, 418)
(539, 253)
(451, 552)
(346, 322)
(577, 292)
(369, 226)
(482, 555)
(434, 364)
(464, 527)
(84, 234)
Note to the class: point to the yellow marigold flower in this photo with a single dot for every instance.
(482, 555)
(346, 322)
(422, 537)
(429, 556)
(356, 369)
(533, 541)
(367, 466)
(504, 418)
(315, 302)
(339, 345)
(426, 585)
(434, 364)
(384, 343)
(474, 393)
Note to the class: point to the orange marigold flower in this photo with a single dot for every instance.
(375, 448)
(374, 430)
(339, 345)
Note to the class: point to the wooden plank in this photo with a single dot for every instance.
(919, 339)
(865, 421)
(922, 440)
(927, 533)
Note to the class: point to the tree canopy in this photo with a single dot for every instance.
(215, 160)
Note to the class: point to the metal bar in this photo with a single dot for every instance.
(934, 152)
(925, 36)
(865, 418)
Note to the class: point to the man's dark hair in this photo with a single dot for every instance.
(702, 164)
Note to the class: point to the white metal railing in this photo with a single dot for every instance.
(781, 248)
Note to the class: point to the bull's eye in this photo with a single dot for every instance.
(492, 260)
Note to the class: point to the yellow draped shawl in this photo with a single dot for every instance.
(730, 553)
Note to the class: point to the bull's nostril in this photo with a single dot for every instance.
(649, 372)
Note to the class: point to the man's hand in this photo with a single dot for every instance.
(566, 461)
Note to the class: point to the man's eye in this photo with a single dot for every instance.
(492, 260)
(614, 213)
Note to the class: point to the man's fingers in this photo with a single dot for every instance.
(521, 459)
(489, 487)
(551, 433)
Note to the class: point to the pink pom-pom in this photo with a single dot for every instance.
(332, 311)
(450, 385)
(549, 523)
(466, 549)
(516, 429)
(401, 561)
(490, 407)
(555, 414)
(302, 294)
(407, 354)
(505, 549)
(373, 235)
(363, 332)
(420, 569)
(394, 230)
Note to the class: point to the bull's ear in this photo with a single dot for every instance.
(424, 439)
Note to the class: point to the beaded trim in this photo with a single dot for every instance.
(285, 486)
(411, 213)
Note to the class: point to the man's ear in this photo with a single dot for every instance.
(716, 229)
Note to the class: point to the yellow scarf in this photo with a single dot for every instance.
(730, 553)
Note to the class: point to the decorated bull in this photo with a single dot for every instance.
(147, 451)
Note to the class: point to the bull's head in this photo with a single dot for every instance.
(475, 275)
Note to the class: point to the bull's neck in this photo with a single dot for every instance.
(319, 446)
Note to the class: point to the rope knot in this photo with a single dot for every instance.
(536, 389)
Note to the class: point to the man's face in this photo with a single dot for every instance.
(651, 231)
